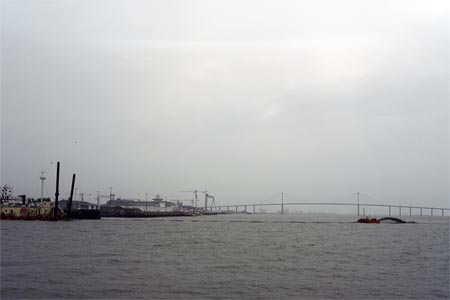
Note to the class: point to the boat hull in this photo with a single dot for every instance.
(30, 218)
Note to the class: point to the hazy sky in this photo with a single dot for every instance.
(318, 99)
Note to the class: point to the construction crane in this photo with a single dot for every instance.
(82, 199)
(213, 203)
(195, 195)
(110, 197)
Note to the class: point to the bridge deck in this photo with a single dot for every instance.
(358, 205)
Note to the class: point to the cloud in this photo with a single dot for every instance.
(240, 98)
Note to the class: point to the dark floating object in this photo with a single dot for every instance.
(387, 220)
(391, 220)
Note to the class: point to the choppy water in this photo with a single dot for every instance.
(225, 257)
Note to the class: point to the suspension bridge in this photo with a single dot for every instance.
(391, 209)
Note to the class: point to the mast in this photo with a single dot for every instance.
(42, 185)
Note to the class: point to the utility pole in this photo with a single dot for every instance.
(282, 203)
(146, 200)
(110, 196)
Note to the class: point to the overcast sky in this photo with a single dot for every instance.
(247, 99)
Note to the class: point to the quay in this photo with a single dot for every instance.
(129, 212)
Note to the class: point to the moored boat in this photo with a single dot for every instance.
(18, 208)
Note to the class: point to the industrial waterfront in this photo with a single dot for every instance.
(19, 207)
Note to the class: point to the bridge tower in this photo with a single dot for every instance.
(357, 199)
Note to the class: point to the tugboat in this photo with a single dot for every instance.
(368, 220)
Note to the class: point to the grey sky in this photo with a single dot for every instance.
(318, 99)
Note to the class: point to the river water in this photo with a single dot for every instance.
(225, 257)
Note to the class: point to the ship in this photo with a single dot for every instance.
(23, 208)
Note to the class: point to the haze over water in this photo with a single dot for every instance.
(226, 257)
(244, 99)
